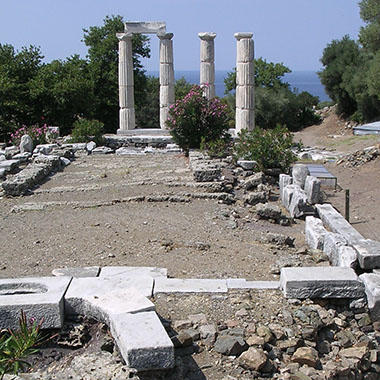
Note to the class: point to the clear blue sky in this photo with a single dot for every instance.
(294, 32)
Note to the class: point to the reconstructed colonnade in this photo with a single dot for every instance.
(245, 89)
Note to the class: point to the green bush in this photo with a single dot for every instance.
(36, 133)
(270, 148)
(87, 130)
(195, 117)
(15, 346)
(217, 148)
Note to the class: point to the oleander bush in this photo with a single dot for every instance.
(194, 118)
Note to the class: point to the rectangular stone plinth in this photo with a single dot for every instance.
(40, 298)
(189, 285)
(143, 341)
(333, 220)
(368, 253)
(320, 282)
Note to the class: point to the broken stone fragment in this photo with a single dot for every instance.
(230, 345)
(306, 356)
(253, 359)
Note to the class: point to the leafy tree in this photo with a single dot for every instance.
(340, 59)
(63, 91)
(275, 103)
(17, 70)
(267, 74)
(103, 67)
(149, 112)
(369, 35)
(181, 88)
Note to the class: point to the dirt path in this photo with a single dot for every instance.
(88, 215)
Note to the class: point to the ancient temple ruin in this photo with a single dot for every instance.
(245, 90)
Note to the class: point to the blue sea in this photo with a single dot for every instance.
(298, 80)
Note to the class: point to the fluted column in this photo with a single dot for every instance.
(166, 77)
(207, 75)
(245, 82)
(126, 91)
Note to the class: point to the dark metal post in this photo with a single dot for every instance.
(347, 204)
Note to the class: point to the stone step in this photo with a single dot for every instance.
(143, 341)
(320, 282)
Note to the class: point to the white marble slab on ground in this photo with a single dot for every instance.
(95, 286)
(242, 283)
(105, 306)
(110, 272)
(189, 285)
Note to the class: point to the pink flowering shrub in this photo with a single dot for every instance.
(37, 134)
(195, 118)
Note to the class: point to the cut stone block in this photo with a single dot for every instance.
(81, 288)
(371, 282)
(313, 189)
(76, 272)
(241, 283)
(189, 285)
(284, 180)
(334, 221)
(110, 272)
(314, 233)
(104, 306)
(206, 173)
(143, 341)
(331, 246)
(320, 282)
(368, 253)
(299, 174)
(299, 206)
(287, 195)
(40, 297)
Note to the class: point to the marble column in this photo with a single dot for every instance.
(245, 82)
(166, 77)
(207, 76)
(126, 91)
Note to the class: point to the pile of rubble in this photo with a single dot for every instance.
(360, 157)
(322, 340)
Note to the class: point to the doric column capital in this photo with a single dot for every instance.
(207, 36)
(240, 36)
(124, 36)
(166, 36)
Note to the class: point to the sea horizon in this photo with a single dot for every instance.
(300, 80)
